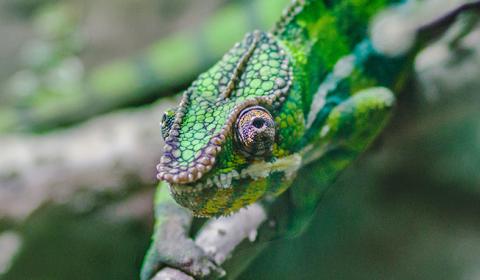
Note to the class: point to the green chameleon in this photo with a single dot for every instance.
(313, 90)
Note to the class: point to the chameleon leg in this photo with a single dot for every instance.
(171, 246)
(348, 130)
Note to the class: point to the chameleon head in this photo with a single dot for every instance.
(230, 142)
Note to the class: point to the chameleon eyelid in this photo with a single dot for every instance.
(255, 131)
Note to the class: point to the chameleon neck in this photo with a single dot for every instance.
(320, 32)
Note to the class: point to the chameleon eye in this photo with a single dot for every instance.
(167, 122)
(255, 131)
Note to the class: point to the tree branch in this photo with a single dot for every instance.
(111, 152)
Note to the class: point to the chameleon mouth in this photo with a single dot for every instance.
(221, 181)
(257, 170)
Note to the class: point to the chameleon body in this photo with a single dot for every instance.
(299, 73)
(314, 89)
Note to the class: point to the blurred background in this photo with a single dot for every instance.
(83, 85)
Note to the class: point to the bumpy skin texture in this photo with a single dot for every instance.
(323, 84)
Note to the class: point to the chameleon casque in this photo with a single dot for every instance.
(314, 89)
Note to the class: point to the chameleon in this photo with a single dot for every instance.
(314, 89)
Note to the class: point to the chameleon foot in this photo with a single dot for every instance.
(180, 253)
(171, 245)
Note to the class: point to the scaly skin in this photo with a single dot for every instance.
(320, 90)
